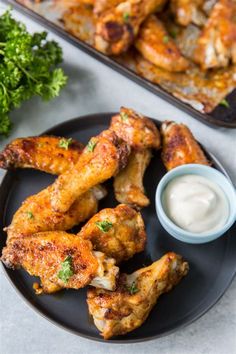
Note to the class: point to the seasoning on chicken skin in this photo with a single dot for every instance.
(61, 260)
(118, 232)
(157, 46)
(122, 311)
(180, 146)
(100, 160)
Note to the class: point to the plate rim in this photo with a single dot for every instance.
(90, 337)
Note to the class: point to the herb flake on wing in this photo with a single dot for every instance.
(104, 225)
(66, 270)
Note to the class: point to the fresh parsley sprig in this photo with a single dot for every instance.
(27, 67)
(66, 270)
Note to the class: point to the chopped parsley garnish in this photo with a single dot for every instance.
(124, 116)
(225, 103)
(173, 32)
(104, 225)
(66, 270)
(165, 39)
(65, 143)
(132, 288)
(91, 145)
(30, 215)
(126, 16)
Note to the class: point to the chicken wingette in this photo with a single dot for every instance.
(117, 27)
(179, 146)
(36, 213)
(157, 46)
(100, 160)
(61, 260)
(50, 154)
(118, 232)
(216, 46)
(142, 135)
(119, 312)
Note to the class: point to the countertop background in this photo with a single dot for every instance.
(93, 87)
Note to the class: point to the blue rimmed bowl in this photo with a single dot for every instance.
(213, 175)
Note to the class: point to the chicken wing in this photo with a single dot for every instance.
(216, 46)
(128, 184)
(180, 146)
(142, 135)
(188, 11)
(155, 44)
(36, 214)
(61, 260)
(50, 154)
(118, 232)
(103, 157)
(102, 6)
(117, 27)
(127, 308)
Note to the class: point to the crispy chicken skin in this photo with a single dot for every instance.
(142, 135)
(128, 184)
(117, 27)
(101, 6)
(180, 146)
(43, 255)
(188, 11)
(216, 46)
(136, 130)
(154, 43)
(122, 311)
(36, 214)
(41, 153)
(103, 157)
(124, 236)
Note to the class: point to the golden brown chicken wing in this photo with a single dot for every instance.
(127, 308)
(157, 46)
(216, 46)
(118, 232)
(180, 146)
(101, 6)
(46, 153)
(188, 11)
(128, 184)
(117, 27)
(61, 260)
(142, 135)
(103, 157)
(36, 214)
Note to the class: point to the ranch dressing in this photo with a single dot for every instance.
(195, 203)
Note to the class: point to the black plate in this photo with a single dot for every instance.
(220, 116)
(212, 265)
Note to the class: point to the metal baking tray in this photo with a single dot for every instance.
(218, 117)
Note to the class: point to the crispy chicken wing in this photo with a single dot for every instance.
(180, 146)
(117, 27)
(101, 6)
(46, 153)
(154, 43)
(36, 214)
(118, 232)
(188, 11)
(142, 135)
(128, 184)
(127, 308)
(216, 46)
(103, 157)
(61, 260)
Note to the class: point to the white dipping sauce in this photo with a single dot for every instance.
(195, 203)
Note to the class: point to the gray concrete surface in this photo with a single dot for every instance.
(94, 88)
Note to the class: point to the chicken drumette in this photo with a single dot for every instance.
(118, 232)
(125, 309)
(61, 260)
(180, 146)
(142, 135)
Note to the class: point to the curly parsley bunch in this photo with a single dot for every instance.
(27, 67)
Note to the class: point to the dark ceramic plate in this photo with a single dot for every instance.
(220, 116)
(212, 265)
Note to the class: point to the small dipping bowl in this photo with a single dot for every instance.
(211, 174)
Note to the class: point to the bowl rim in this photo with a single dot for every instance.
(195, 169)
